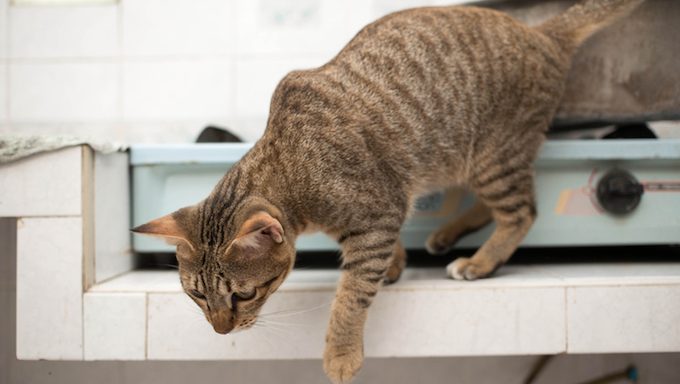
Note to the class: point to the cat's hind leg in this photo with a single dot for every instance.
(510, 197)
(446, 237)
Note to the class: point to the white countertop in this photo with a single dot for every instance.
(509, 276)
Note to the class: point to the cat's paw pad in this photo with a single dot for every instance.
(463, 268)
(437, 244)
(342, 364)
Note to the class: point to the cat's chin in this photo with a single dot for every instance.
(237, 330)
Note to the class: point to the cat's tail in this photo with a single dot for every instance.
(586, 17)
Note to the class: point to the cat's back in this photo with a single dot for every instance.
(452, 62)
(459, 38)
(416, 89)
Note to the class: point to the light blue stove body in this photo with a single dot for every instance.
(168, 177)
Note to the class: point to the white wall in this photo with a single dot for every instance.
(160, 70)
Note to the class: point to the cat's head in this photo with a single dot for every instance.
(230, 269)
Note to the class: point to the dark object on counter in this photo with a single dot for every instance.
(602, 131)
(631, 131)
(212, 134)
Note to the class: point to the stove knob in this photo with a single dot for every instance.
(619, 192)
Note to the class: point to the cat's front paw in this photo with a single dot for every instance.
(341, 364)
(463, 268)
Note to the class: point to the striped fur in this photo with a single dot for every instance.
(419, 100)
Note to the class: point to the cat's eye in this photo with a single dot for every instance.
(245, 295)
(197, 294)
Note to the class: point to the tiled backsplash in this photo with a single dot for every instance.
(160, 70)
(63, 91)
(75, 31)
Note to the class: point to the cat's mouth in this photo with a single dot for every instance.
(229, 327)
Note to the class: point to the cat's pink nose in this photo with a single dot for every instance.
(222, 323)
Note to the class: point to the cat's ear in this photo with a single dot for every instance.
(259, 232)
(167, 228)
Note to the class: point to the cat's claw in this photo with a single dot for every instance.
(341, 364)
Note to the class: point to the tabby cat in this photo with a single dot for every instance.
(420, 100)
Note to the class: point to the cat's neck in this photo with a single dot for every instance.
(258, 178)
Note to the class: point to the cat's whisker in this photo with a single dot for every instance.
(264, 335)
(280, 323)
(292, 312)
(169, 266)
(274, 325)
(196, 311)
(277, 331)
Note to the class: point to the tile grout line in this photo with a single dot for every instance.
(82, 329)
(7, 119)
(120, 131)
(566, 320)
(6, 60)
(146, 326)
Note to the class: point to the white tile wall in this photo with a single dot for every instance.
(176, 314)
(141, 281)
(294, 27)
(111, 215)
(249, 128)
(69, 91)
(152, 27)
(178, 89)
(383, 7)
(477, 322)
(115, 326)
(99, 130)
(28, 188)
(3, 92)
(621, 319)
(256, 79)
(3, 28)
(49, 288)
(161, 70)
(482, 321)
(72, 31)
(163, 131)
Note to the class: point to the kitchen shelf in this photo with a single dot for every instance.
(79, 298)
(524, 309)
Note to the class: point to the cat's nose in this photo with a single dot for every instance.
(222, 322)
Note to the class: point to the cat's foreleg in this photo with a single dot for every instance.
(367, 257)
